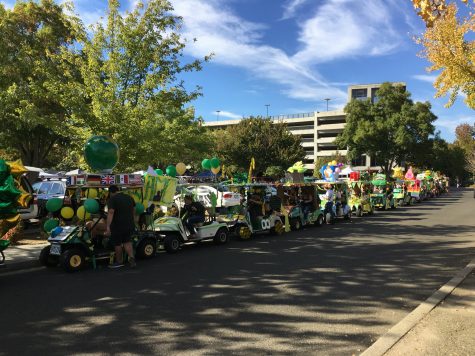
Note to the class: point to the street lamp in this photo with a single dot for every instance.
(217, 114)
(327, 100)
(267, 109)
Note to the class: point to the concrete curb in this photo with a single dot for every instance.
(396, 333)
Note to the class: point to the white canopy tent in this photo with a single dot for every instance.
(347, 171)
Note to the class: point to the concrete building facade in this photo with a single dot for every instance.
(318, 130)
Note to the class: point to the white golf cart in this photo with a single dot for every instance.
(247, 222)
(173, 233)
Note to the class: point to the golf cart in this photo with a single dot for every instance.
(81, 240)
(302, 205)
(335, 205)
(382, 195)
(414, 190)
(400, 193)
(173, 233)
(258, 213)
(360, 202)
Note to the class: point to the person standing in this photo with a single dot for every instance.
(121, 225)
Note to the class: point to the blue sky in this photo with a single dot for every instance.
(291, 54)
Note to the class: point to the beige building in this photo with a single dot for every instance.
(318, 130)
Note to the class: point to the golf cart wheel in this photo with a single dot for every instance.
(146, 249)
(72, 260)
(320, 220)
(46, 259)
(394, 205)
(328, 218)
(359, 212)
(295, 224)
(171, 244)
(244, 233)
(278, 228)
(2, 257)
(221, 236)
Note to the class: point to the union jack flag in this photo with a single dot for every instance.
(108, 179)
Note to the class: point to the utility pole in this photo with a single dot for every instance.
(217, 114)
(267, 110)
(327, 100)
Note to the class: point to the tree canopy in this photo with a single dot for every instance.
(393, 129)
(449, 47)
(271, 144)
(60, 84)
(38, 84)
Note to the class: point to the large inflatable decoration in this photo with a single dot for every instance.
(409, 174)
(331, 171)
(398, 173)
(298, 167)
(101, 153)
(12, 197)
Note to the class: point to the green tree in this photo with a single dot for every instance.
(465, 139)
(393, 129)
(131, 69)
(39, 82)
(271, 144)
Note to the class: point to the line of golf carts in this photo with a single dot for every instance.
(77, 230)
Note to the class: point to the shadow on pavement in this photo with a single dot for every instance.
(330, 290)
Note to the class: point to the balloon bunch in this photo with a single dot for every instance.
(172, 170)
(55, 206)
(213, 165)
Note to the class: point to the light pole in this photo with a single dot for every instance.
(327, 100)
(217, 114)
(267, 109)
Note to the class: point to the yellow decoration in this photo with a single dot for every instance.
(215, 170)
(180, 168)
(91, 193)
(14, 219)
(252, 166)
(17, 168)
(334, 163)
(67, 212)
(82, 214)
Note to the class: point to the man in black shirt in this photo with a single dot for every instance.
(195, 213)
(121, 224)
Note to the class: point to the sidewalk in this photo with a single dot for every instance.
(443, 324)
(449, 329)
(22, 256)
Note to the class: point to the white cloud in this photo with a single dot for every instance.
(451, 123)
(425, 78)
(344, 28)
(227, 114)
(291, 7)
(237, 42)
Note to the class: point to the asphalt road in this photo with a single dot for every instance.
(331, 290)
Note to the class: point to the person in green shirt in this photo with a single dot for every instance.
(121, 225)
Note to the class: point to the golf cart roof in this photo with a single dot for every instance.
(88, 180)
(323, 182)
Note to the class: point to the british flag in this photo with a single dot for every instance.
(108, 179)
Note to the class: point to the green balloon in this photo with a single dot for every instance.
(159, 172)
(139, 208)
(91, 206)
(206, 164)
(171, 171)
(101, 153)
(50, 224)
(215, 162)
(54, 204)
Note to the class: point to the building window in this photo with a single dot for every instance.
(360, 161)
(359, 94)
(374, 95)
